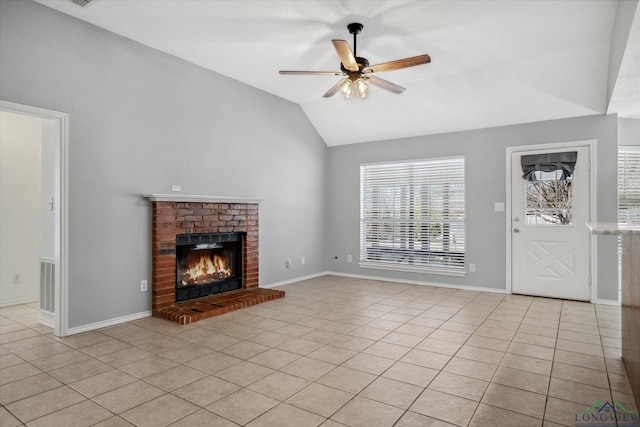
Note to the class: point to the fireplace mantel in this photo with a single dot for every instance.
(196, 198)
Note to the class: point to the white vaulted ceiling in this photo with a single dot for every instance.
(493, 63)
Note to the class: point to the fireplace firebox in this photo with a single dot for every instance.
(207, 263)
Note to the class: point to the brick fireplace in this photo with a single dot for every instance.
(181, 215)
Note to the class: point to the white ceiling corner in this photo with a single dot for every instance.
(625, 100)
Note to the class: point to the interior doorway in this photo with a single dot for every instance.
(550, 205)
(39, 153)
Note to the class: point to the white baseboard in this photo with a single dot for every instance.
(297, 279)
(418, 282)
(19, 301)
(109, 322)
(608, 302)
(47, 318)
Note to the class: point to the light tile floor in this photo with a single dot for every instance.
(336, 351)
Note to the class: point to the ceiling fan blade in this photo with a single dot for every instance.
(398, 64)
(314, 73)
(345, 54)
(392, 87)
(334, 89)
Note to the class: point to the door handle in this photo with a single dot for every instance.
(516, 230)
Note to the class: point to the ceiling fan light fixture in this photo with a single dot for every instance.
(347, 88)
(362, 88)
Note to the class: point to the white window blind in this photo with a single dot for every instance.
(412, 215)
(629, 185)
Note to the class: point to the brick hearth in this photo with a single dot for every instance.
(187, 312)
(171, 218)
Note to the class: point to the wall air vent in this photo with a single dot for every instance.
(80, 2)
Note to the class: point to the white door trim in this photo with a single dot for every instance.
(591, 144)
(61, 209)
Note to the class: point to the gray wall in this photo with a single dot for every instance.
(485, 164)
(628, 131)
(140, 121)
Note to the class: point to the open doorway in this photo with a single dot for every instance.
(33, 220)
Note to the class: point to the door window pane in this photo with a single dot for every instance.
(549, 199)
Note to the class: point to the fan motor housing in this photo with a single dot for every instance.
(362, 63)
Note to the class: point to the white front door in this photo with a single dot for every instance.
(550, 242)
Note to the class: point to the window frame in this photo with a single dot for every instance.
(410, 189)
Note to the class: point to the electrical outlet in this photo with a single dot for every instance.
(143, 286)
(15, 278)
(303, 261)
(349, 258)
(498, 207)
(287, 262)
(472, 268)
(176, 188)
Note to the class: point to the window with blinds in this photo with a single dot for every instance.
(412, 215)
(629, 185)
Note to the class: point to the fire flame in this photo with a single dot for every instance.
(205, 269)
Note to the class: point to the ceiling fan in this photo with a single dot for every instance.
(357, 70)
